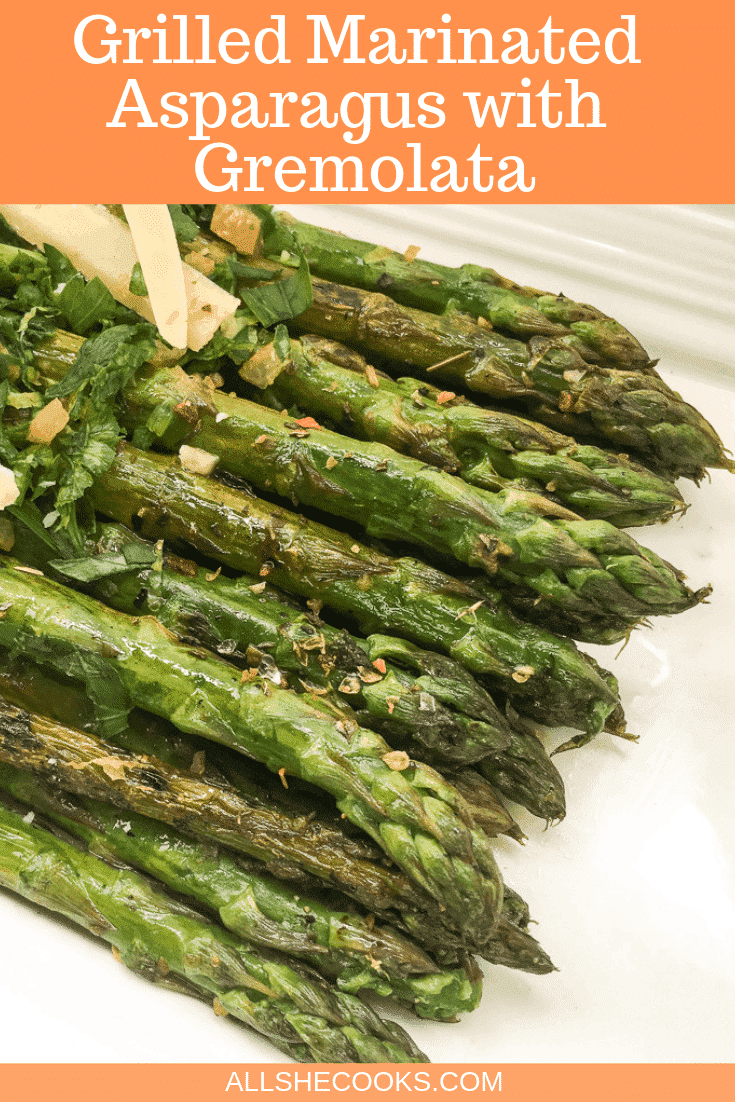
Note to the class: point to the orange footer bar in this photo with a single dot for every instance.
(514, 1082)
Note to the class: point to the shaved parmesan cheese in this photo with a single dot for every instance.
(9, 492)
(158, 252)
(99, 244)
(48, 423)
(196, 460)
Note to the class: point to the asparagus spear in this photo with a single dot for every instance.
(443, 716)
(542, 674)
(628, 410)
(441, 713)
(590, 574)
(294, 843)
(488, 810)
(414, 815)
(477, 291)
(359, 866)
(488, 657)
(345, 948)
(629, 406)
(150, 933)
(489, 448)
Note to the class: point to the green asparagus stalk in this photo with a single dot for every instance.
(523, 771)
(414, 815)
(524, 775)
(27, 685)
(199, 767)
(480, 292)
(443, 716)
(628, 406)
(440, 714)
(628, 410)
(588, 573)
(489, 448)
(488, 810)
(352, 952)
(439, 711)
(294, 843)
(280, 999)
(214, 611)
(542, 674)
(258, 631)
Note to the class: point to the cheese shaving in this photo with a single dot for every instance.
(9, 492)
(158, 253)
(99, 244)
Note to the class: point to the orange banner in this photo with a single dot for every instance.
(414, 102)
(513, 1082)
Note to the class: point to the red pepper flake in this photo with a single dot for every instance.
(379, 664)
(444, 397)
(282, 775)
(307, 423)
(261, 439)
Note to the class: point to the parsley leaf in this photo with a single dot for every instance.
(185, 227)
(85, 305)
(283, 300)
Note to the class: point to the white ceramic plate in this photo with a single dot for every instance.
(633, 892)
